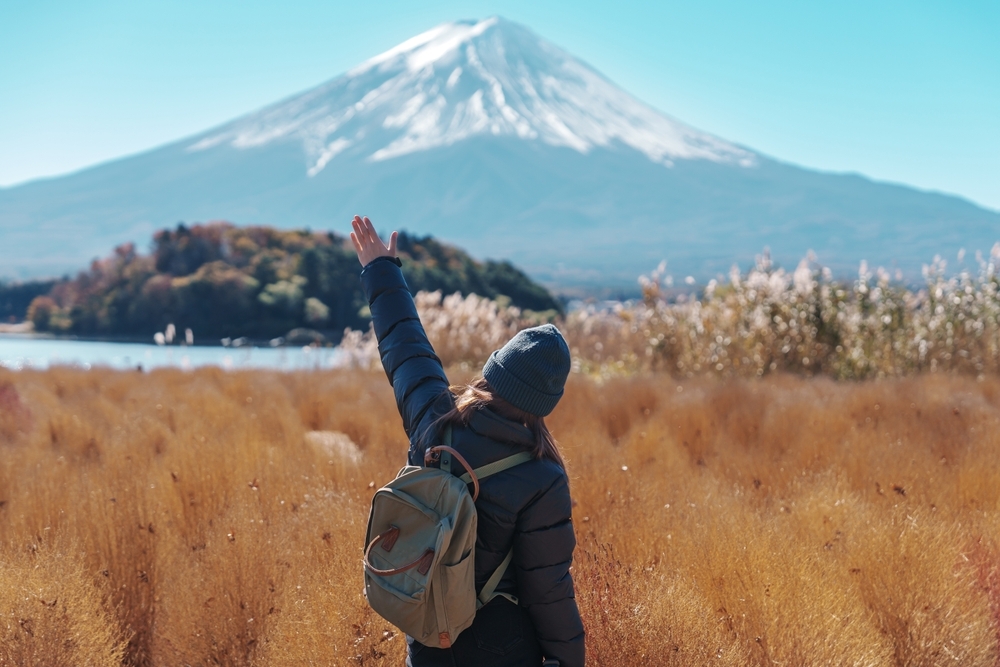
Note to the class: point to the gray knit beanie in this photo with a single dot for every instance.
(530, 370)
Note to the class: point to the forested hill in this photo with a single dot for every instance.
(221, 280)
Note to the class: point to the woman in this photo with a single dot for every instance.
(526, 508)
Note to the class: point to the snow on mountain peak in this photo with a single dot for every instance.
(427, 47)
(465, 79)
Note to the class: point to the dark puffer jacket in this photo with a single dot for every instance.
(527, 507)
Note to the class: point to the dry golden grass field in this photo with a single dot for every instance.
(198, 518)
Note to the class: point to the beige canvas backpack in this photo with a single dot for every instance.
(421, 542)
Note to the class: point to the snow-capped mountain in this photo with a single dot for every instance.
(462, 80)
(485, 135)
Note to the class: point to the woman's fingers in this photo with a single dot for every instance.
(357, 245)
(392, 243)
(359, 234)
(364, 231)
(359, 224)
(372, 234)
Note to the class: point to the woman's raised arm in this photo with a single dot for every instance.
(414, 371)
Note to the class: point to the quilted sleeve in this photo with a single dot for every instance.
(413, 369)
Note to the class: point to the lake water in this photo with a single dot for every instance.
(19, 352)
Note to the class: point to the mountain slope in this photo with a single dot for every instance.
(463, 80)
(484, 134)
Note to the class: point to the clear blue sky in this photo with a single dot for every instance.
(900, 91)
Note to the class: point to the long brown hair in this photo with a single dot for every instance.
(478, 395)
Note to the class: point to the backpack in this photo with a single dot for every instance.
(421, 542)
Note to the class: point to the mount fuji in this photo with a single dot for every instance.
(485, 135)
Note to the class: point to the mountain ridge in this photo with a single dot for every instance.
(512, 92)
(484, 134)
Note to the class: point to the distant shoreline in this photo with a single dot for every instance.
(10, 331)
(18, 328)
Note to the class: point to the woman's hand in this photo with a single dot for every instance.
(367, 243)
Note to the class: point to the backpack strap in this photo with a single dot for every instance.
(489, 590)
(497, 466)
(445, 454)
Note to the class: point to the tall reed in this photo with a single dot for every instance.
(209, 517)
(764, 321)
